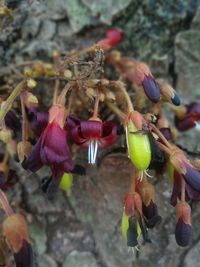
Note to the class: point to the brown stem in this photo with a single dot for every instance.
(120, 86)
(164, 148)
(182, 189)
(71, 100)
(4, 203)
(55, 91)
(96, 105)
(161, 136)
(61, 97)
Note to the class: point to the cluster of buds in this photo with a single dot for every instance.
(38, 138)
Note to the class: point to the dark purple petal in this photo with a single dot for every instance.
(34, 162)
(193, 108)
(185, 123)
(151, 89)
(183, 233)
(12, 121)
(151, 215)
(192, 177)
(91, 129)
(38, 120)
(24, 258)
(109, 134)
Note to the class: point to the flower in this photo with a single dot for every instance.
(138, 144)
(151, 88)
(24, 258)
(12, 121)
(38, 120)
(183, 227)
(189, 118)
(192, 177)
(52, 148)
(92, 134)
(113, 38)
(151, 216)
(190, 192)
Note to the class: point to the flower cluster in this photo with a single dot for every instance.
(78, 117)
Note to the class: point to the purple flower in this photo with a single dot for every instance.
(183, 233)
(190, 192)
(92, 134)
(38, 120)
(151, 88)
(52, 148)
(24, 258)
(150, 213)
(192, 177)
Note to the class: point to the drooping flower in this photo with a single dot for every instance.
(190, 192)
(189, 117)
(92, 134)
(183, 227)
(138, 144)
(24, 258)
(52, 148)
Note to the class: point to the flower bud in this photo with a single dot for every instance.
(31, 83)
(132, 201)
(5, 135)
(147, 192)
(66, 182)
(183, 227)
(29, 99)
(169, 93)
(15, 231)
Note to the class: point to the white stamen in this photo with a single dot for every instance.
(197, 127)
(92, 151)
(147, 174)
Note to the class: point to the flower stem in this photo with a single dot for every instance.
(61, 97)
(161, 136)
(116, 110)
(8, 103)
(96, 105)
(121, 87)
(55, 92)
(164, 148)
(182, 189)
(4, 203)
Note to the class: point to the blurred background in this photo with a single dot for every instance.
(83, 229)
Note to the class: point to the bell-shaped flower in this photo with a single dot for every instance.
(92, 134)
(52, 148)
(183, 226)
(138, 144)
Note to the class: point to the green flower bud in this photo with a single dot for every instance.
(139, 148)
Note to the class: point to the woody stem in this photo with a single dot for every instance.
(55, 92)
(182, 189)
(96, 105)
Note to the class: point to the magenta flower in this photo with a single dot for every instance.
(52, 148)
(92, 134)
(190, 119)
